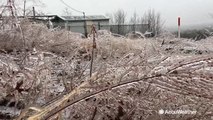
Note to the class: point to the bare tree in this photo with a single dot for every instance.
(154, 21)
(66, 12)
(25, 6)
(111, 21)
(120, 19)
(134, 19)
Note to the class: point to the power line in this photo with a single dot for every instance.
(71, 7)
(85, 24)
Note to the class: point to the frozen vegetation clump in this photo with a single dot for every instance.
(45, 74)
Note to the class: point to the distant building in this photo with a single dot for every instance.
(72, 23)
(77, 23)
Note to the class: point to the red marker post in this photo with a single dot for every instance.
(179, 27)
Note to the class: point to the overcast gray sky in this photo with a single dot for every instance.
(192, 12)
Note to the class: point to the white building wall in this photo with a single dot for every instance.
(79, 26)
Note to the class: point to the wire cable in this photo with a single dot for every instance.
(71, 7)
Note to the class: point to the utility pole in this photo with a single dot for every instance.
(10, 5)
(94, 33)
(24, 8)
(85, 25)
(99, 26)
(34, 13)
(179, 27)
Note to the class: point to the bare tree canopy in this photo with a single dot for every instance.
(154, 20)
(110, 15)
(66, 12)
(135, 19)
(119, 17)
(24, 7)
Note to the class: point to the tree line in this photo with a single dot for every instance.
(151, 18)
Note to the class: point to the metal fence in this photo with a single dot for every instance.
(117, 29)
(124, 29)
